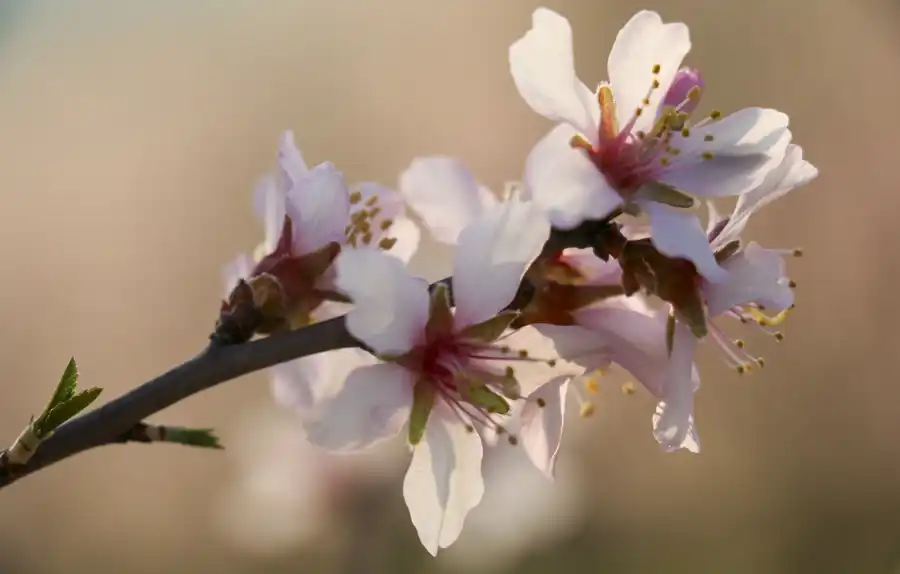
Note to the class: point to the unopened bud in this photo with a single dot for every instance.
(685, 92)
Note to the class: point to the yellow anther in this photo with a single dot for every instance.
(779, 336)
(798, 252)
(694, 93)
(372, 201)
(741, 369)
(655, 68)
(512, 440)
(470, 429)
(664, 161)
(386, 224)
(504, 349)
(715, 114)
(646, 101)
(591, 385)
(541, 403)
(760, 362)
(578, 141)
(638, 111)
(587, 410)
(641, 134)
(510, 373)
(685, 133)
(708, 138)
(792, 284)
(367, 238)
(739, 343)
(706, 155)
(551, 363)
(628, 388)
(655, 85)
(523, 354)
(355, 197)
(387, 243)
(374, 212)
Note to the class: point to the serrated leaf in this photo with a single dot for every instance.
(67, 384)
(68, 409)
(423, 401)
(490, 330)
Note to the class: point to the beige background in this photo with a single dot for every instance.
(131, 135)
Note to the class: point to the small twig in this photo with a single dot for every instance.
(146, 433)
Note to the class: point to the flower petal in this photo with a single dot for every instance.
(444, 194)
(678, 233)
(543, 68)
(491, 257)
(542, 426)
(643, 43)
(754, 274)
(444, 480)
(293, 167)
(407, 235)
(372, 405)
(594, 270)
(319, 207)
(269, 204)
(791, 173)
(673, 422)
(390, 306)
(302, 383)
(743, 146)
(564, 182)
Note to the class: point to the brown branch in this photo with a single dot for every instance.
(214, 365)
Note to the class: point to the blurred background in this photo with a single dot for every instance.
(131, 134)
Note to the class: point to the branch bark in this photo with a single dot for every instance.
(216, 364)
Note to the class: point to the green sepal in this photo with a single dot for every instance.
(440, 317)
(490, 330)
(665, 194)
(423, 401)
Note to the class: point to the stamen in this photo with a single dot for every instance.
(371, 201)
(355, 197)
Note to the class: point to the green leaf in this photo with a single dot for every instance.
(665, 194)
(68, 409)
(490, 330)
(423, 401)
(202, 438)
(67, 384)
(487, 399)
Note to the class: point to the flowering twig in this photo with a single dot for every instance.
(120, 420)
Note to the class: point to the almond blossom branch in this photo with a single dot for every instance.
(213, 366)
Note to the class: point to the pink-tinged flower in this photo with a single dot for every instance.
(309, 215)
(629, 145)
(594, 326)
(756, 284)
(448, 376)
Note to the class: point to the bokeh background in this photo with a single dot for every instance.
(131, 134)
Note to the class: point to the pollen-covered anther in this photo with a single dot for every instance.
(792, 284)
(685, 133)
(355, 197)
(797, 252)
(371, 201)
(541, 403)
(513, 440)
(386, 224)
(551, 363)
(505, 350)
(739, 343)
(591, 385)
(656, 68)
(510, 373)
(779, 336)
(587, 410)
(367, 238)
(387, 243)
(523, 354)
(578, 141)
(709, 137)
(715, 114)
(470, 429)
(707, 155)
(760, 362)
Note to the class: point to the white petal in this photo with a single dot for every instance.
(754, 274)
(713, 219)
(301, 384)
(595, 270)
(444, 194)
(565, 183)
(791, 173)
(744, 146)
(491, 257)
(372, 405)
(444, 480)
(239, 268)
(678, 233)
(542, 427)
(407, 235)
(573, 344)
(390, 306)
(293, 167)
(543, 69)
(673, 422)
(269, 204)
(319, 207)
(644, 42)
